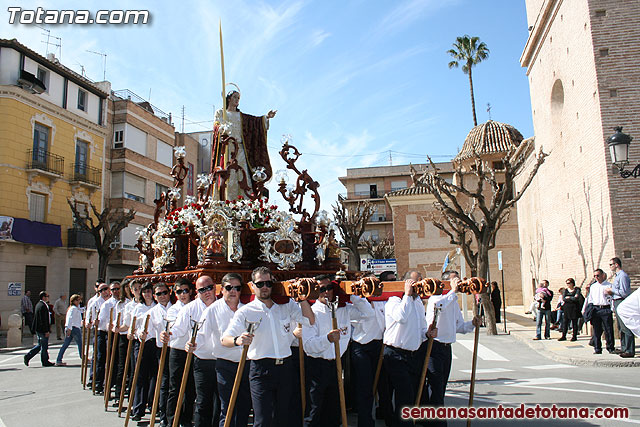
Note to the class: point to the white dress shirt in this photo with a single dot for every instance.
(629, 312)
(157, 322)
(127, 316)
(405, 323)
(74, 318)
(141, 312)
(596, 294)
(103, 316)
(215, 320)
(272, 338)
(370, 328)
(314, 337)
(172, 313)
(95, 307)
(90, 312)
(450, 320)
(182, 327)
(120, 308)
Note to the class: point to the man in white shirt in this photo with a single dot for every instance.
(215, 320)
(601, 319)
(450, 322)
(405, 331)
(270, 371)
(90, 303)
(207, 406)
(365, 351)
(186, 292)
(319, 344)
(179, 335)
(60, 312)
(101, 352)
(103, 331)
(126, 307)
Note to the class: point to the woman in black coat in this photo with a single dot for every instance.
(496, 300)
(571, 309)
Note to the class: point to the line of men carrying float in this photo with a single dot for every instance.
(196, 349)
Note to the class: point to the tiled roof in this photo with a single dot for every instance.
(488, 138)
(411, 191)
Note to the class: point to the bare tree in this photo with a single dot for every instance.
(379, 249)
(472, 212)
(351, 222)
(600, 246)
(105, 229)
(536, 251)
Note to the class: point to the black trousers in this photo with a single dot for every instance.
(207, 409)
(148, 368)
(270, 385)
(226, 375)
(364, 358)
(116, 362)
(123, 344)
(323, 408)
(565, 326)
(602, 320)
(177, 358)
(102, 358)
(438, 376)
(296, 418)
(404, 372)
(161, 415)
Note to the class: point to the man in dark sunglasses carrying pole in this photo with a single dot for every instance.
(271, 368)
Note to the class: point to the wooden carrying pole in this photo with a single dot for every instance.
(185, 376)
(109, 338)
(251, 328)
(85, 349)
(156, 394)
(127, 362)
(343, 406)
(376, 378)
(114, 349)
(84, 337)
(136, 372)
(303, 397)
(425, 365)
(95, 354)
(474, 362)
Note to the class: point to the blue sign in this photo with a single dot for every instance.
(15, 289)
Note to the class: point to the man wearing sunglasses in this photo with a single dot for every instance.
(215, 320)
(270, 370)
(111, 296)
(186, 292)
(180, 335)
(93, 313)
(318, 342)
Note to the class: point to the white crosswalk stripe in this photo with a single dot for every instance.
(487, 371)
(484, 352)
(546, 367)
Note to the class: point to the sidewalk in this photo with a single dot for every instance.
(28, 341)
(523, 328)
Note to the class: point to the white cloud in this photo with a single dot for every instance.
(408, 12)
(318, 36)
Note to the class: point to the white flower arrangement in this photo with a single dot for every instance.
(258, 213)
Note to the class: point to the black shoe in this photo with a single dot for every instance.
(616, 351)
(26, 361)
(89, 384)
(47, 364)
(626, 355)
(597, 352)
(612, 351)
(574, 339)
(115, 404)
(136, 418)
(562, 339)
(592, 343)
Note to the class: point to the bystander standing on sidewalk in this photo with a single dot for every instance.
(571, 306)
(620, 290)
(60, 312)
(26, 306)
(601, 318)
(544, 296)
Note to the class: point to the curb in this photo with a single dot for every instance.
(578, 361)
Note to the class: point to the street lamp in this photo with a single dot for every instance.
(619, 148)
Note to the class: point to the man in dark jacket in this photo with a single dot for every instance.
(41, 325)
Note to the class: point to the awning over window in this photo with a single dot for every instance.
(37, 233)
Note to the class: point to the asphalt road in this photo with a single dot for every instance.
(509, 373)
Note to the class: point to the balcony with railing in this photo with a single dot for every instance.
(375, 218)
(85, 174)
(45, 161)
(362, 195)
(77, 238)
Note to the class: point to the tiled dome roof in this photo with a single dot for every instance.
(488, 138)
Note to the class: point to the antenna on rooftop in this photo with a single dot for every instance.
(82, 72)
(47, 42)
(104, 63)
(489, 110)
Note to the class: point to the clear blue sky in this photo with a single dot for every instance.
(350, 80)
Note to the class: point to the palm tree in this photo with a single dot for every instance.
(469, 52)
